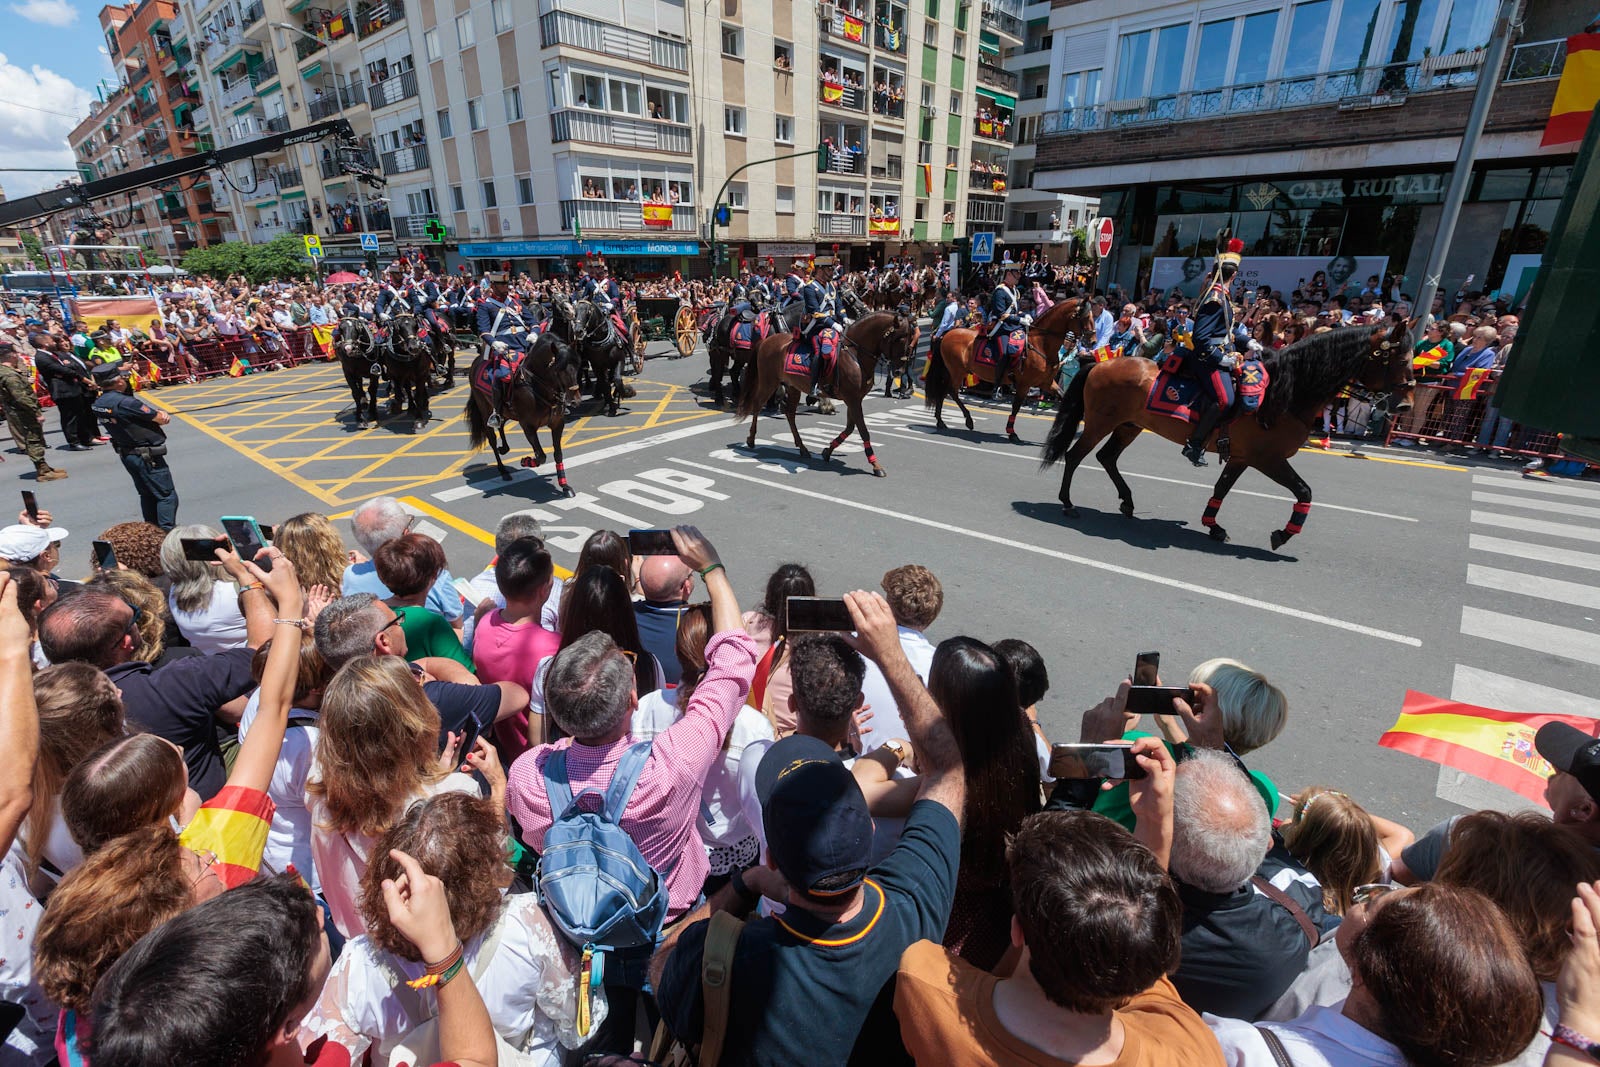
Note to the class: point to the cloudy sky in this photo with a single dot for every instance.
(52, 56)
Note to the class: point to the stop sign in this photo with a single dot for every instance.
(1102, 237)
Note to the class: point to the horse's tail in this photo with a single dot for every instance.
(477, 423)
(750, 398)
(1065, 428)
(938, 383)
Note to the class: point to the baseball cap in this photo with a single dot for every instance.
(1569, 749)
(18, 544)
(819, 832)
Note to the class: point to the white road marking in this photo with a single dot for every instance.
(1517, 522)
(1001, 450)
(1528, 503)
(1549, 486)
(1473, 685)
(1083, 561)
(1566, 557)
(1564, 641)
(1574, 593)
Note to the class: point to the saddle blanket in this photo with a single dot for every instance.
(1174, 392)
(483, 377)
(1013, 344)
(747, 335)
(826, 348)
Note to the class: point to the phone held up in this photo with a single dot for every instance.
(1147, 696)
(105, 556)
(202, 549)
(30, 504)
(808, 613)
(1094, 761)
(248, 538)
(651, 543)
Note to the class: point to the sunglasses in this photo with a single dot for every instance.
(398, 618)
(1366, 894)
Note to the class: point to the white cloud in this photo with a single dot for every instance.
(35, 135)
(49, 12)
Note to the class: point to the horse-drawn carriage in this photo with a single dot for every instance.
(664, 319)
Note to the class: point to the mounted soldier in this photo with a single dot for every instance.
(1212, 362)
(1003, 317)
(506, 337)
(820, 311)
(602, 291)
(392, 292)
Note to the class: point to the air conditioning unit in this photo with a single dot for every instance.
(825, 12)
(988, 9)
(930, 111)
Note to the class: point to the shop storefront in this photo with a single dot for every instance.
(1387, 218)
(555, 257)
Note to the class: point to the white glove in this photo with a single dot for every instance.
(1027, 320)
(1254, 346)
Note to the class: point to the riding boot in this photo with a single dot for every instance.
(497, 405)
(1195, 450)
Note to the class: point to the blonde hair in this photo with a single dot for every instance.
(1336, 840)
(314, 547)
(1254, 711)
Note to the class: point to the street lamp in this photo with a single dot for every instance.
(338, 88)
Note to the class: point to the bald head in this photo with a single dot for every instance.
(1221, 830)
(665, 579)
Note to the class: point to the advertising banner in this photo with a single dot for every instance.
(1340, 275)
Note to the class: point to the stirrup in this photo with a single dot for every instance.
(1195, 454)
(494, 421)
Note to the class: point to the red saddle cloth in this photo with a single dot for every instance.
(1013, 344)
(747, 335)
(483, 370)
(826, 348)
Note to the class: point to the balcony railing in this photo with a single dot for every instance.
(405, 160)
(592, 35)
(627, 215)
(277, 124)
(995, 128)
(236, 94)
(986, 181)
(287, 177)
(147, 109)
(991, 75)
(220, 44)
(597, 127)
(410, 226)
(1537, 59)
(348, 220)
(834, 224)
(890, 39)
(381, 16)
(836, 94)
(252, 12)
(265, 231)
(172, 211)
(393, 89)
(1000, 20)
(306, 47)
(1360, 88)
(301, 226)
(331, 103)
(889, 105)
(178, 91)
(841, 162)
(138, 74)
(265, 72)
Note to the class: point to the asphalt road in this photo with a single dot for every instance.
(1451, 578)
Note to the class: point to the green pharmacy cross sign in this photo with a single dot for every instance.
(436, 231)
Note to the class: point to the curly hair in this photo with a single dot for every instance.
(459, 839)
(135, 588)
(116, 896)
(914, 594)
(314, 547)
(138, 546)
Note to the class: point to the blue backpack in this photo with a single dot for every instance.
(597, 887)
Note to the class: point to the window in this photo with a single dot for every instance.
(665, 105)
(1308, 28)
(555, 89)
(589, 90)
(624, 97)
(430, 43)
(1351, 38)
(896, 167)
(922, 211)
(1410, 31)
(1255, 47)
(738, 195)
(958, 44)
(785, 200)
(513, 99)
(782, 55)
(420, 202)
(733, 121)
(930, 33)
(457, 201)
(783, 129)
(927, 94)
(524, 190)
(464, 34)
(1133, 59)
(733, 42)
(1171, 44)
(955, 103)
(445, 129)
(952, 157)
(502, 15)
(1081, 89)
(924, 152)
(1211, 58)
(489, 198)
(475, 113)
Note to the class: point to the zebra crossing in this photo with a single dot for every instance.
(1532, 608)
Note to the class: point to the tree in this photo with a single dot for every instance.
(1080, 244)
(282, 257)
(218, 260)
(33, 249)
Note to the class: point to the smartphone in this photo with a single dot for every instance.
(651, 543)
(1093, 761)
(202, 549)
(469, 737)
(1146, 667)
(247, 538)
(818, 613)
(30, 504)
(1157, 699)
(105, 557)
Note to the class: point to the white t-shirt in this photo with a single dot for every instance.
(289, 836)
(31, 1040)
(217, 626)
(887, 721)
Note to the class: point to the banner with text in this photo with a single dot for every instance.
(1340, 275)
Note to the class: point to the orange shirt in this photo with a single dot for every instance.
(946, 1011)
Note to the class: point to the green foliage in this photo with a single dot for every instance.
(1080, 245)
(33, 249)
(282, 257)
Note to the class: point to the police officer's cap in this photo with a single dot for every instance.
(110, 372)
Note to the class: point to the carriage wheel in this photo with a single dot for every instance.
(687, 330)
(639, 341)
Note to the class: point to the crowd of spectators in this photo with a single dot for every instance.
(292, 809)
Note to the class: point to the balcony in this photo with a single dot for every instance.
(411, 227)
(890, 38)
(235, 94)
(592, 35)
(889, 105)
(306, 47)
(172, 212)
(267, 71)
(147, 109)
(597, 127)
(1003, 18)
(835, 93)
(301, 226)
(993, 128)
(627, 216)
(998, 78)
(219, 45)
(265, 189)
(405, 160)
(252, 13)
(381, 16)
(987, 181)
(262, 232)
(348, 219)
(842, 162)
(331, 103)
(138, 74)
(835, 224)
(330, 166)
(177, 91)
(392, 90)
(1537, 59)
(277, 124)
(287, 177)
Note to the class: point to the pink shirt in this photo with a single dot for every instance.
(510, 652)
(662, 813)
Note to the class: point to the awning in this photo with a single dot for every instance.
(297, 194)
(1005, 101)
(989, 43)
(557, 247)
(236, 56)
(274, 87)
(312, 71)
(242, 108)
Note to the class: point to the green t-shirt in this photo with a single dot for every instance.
(428, 634)
(1113, 802)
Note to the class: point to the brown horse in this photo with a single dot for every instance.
(1109, 398)
(545, 382)
(852, 378)
(954, 358)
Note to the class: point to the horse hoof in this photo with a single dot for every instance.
(505, 476)
(939, 424)
(1219, 535)
(969, 422)
(827, 455)
(1127, 509)
(1013, 438)
(1069, 511)
(879, 472)
(1279, 537)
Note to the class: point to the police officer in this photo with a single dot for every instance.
(1213, 365)
(22, 411)
(820, 311)
(1003, 315)
(137, 437)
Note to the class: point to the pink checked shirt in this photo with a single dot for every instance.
(662, 813)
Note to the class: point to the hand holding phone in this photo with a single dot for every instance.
(247, 538)
(105, 556)
(815, 613)
(30, 504)
(203, 549)
(1094, 761)
(651, 543)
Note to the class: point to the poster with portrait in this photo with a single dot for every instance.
(1340, 275)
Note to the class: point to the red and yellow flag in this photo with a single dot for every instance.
(1577, 93)
(832, 93)
(236, 368)
(1103, 353)
(883, 224)
(927, 178)
(1471, 381)
(853, 28)
(1487, 743)
(1431, 358)
(658, 214)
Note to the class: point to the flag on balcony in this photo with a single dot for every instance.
(657, 214)
(998, 185)
(832, 92)
(853, 29)
(927, 178)
(1577, 93)
(986, 127)
(883, 224)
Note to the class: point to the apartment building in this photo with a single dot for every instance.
(147, 117)
(1322, 132)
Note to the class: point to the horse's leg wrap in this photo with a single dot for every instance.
(1209, 518)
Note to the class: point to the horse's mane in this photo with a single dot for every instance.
(1311, 371)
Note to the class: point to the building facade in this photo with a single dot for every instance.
(145, 118)
(1321, 132)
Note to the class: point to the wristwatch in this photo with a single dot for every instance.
(901, 752)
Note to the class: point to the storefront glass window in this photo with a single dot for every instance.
(1511, 184)
(1534, 232)
(1410, 31)
(1211, 59)
(1133, 56)
(1255, 47)
(1308, 29)
(1171, 45)
(1467, 26)
(1358, 20)
(1551, 183)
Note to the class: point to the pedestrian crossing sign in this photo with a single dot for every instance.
(313, 246)
(982, 250)
(369, 242)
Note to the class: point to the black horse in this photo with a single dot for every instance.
(362, 364)
(537, 396)
(590, 332)
(410, 367)
(730, 361)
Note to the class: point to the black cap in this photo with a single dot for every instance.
(1569, 749)
(105, 372)
(819, 831)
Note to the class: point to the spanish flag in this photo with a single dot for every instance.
(322, 337)
(1577, 93)
(1471, 381)
(236, 368)
(1103, 353)
(1487, 743)
(832, 92)
(1431, 358)
(231, 830)
(927, 178)
(657, 214)
(854, 28)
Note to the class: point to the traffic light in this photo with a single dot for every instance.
(723, 215)
(822, 159)
(372, 261)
